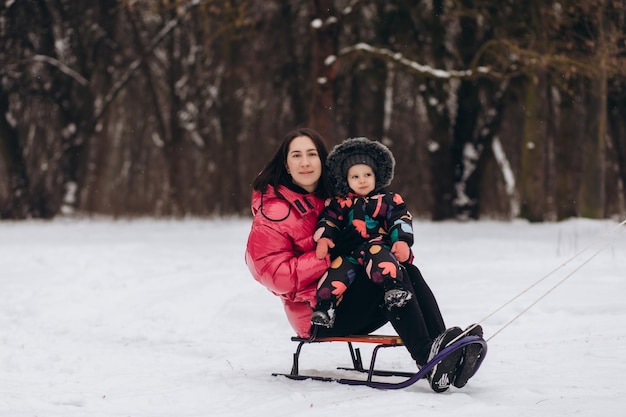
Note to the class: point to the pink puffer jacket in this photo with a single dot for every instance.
(281, 252)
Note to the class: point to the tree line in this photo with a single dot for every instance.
(507, 109)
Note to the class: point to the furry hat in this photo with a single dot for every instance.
(359, 151)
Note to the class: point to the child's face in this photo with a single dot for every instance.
(361, 179)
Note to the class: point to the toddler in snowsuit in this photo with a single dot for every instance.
(359, 169)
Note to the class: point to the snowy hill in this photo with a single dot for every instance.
(161, 318)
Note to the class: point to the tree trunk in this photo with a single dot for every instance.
(533, 152)
(593, 193)
(325, 26)
(18, 204)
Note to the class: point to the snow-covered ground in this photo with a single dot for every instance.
(161, 318)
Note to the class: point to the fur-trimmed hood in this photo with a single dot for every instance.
(359, 151)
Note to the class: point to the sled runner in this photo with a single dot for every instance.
(409, 378)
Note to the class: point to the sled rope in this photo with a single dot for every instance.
(549, 291)
(598, 239)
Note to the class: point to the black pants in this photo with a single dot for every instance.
(362, 311)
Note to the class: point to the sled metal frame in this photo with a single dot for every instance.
(381, 341)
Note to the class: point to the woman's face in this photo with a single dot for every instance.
(304, 163)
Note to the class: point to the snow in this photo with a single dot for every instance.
(161, 318)
(507, 173)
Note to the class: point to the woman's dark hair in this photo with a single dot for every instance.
(275, 171)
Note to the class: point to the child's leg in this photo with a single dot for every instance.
(330, 290)
(383, 269)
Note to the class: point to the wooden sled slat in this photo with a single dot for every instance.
(368, 338)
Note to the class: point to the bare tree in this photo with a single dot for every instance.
(171, 107)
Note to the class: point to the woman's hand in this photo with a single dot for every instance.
(322, 247)
(401, 251)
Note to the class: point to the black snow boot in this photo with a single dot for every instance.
(396, 298)
(323, 318)
(442, 375)
(471, 353)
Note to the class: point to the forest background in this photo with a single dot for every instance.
(495, 109)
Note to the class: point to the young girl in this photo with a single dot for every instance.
(360, 169)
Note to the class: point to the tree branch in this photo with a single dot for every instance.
(130, 71)
(388, 55)
(62, 67)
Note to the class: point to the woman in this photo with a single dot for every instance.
(288, 197)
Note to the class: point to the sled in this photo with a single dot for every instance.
(381, 341)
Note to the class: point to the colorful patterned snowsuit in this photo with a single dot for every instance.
(382, 219)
